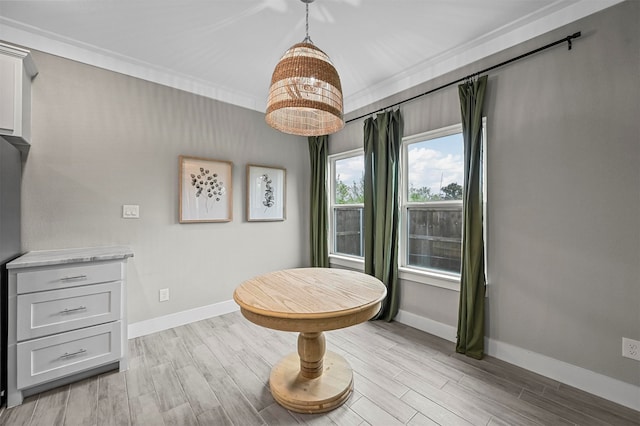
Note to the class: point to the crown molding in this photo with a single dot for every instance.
(538, 23)
(554, 16)
(15, 32)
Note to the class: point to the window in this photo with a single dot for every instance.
(347, 203)
(432, 179)
(431, 186)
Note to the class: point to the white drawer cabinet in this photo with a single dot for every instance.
(56, 277)
(67, 317)
(56, 311)
(59, 355)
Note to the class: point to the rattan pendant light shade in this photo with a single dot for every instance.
(305, 97)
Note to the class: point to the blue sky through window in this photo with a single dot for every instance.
(434, 163)
(350, 169)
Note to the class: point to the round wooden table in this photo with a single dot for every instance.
(310, 301)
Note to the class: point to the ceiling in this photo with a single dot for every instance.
(227, 49)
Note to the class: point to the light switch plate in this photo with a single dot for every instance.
(130, 211)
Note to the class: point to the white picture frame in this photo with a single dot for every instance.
(206, 190)
(266, 193)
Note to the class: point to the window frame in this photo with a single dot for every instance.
(434, 277)
(341, 259)
(420, 276)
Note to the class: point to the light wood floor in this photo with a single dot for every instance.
(215, 372)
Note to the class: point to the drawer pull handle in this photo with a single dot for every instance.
(76, 277)
(68, 355)
(67, 310)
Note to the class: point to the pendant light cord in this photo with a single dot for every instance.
(307, 39)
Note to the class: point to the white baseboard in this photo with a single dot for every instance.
(142, 328)
(589, 381)
(427, 325)
(595, 383)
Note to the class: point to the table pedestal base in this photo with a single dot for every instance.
(324, 393)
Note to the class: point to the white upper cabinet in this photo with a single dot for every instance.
(17, 69)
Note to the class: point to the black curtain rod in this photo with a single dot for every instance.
(567, 39)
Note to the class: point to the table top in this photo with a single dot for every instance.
(308, 299)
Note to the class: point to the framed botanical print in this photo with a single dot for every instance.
(266, 193)
(205, 190)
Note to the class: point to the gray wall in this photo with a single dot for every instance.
(102, 139)
(563, 200)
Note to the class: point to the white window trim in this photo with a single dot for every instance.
(352, 262)
(432, 277)
(485, 222)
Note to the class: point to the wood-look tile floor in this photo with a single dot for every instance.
(216, 371)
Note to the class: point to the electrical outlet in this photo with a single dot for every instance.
(164, 294)
(631, 348)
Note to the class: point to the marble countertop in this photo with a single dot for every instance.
(75, 255)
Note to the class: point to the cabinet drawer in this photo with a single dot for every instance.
(55, 311)
(56, 277)
(49, 358)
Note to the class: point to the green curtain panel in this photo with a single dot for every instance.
(318, 148)
(470, 336)
(382, 141)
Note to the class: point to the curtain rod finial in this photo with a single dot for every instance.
(571, 37)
